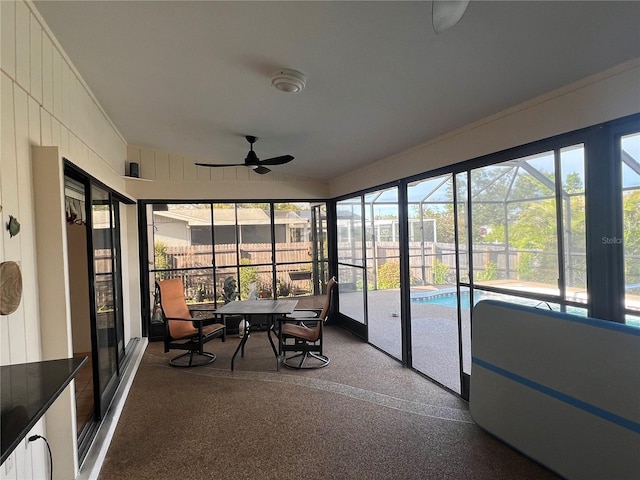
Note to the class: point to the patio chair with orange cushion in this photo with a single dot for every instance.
(183, 330)
(302, 332)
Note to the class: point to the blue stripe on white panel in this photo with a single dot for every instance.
(574, 402)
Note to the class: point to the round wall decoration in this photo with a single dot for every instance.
(10, 287)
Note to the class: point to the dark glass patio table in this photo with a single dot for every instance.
(249, 309)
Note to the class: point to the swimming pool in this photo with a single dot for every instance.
(450, 299)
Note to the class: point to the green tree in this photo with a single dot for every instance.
(631, 225)
(573, 183)
(292, 207)
(631, 237)
(535, 226)
(534, 229)
(261, 206)
(512, 185)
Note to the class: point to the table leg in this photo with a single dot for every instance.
(273, 346)
(241, 344)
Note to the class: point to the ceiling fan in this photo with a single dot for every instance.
(252, 161)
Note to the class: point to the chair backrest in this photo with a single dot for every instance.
(174, 305)
(327, 303)
(324, 314)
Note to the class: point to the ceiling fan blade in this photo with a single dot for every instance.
(260, 169)
(220, 164)
(277, 160)
(252, 161)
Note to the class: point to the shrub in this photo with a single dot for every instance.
(161, 259)
(490, 272)
(440, 271)
(284, 288)
(389, 275)
(525, 267)
(248, 275)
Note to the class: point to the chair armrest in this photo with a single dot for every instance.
(204, 314)
(308, 322)
(302, 314)
(193, 319)
(206, 311)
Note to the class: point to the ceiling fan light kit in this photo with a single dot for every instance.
(289, 81)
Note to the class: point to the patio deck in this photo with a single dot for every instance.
(434, 328)
(434, 333)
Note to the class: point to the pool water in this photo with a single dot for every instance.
(450, 299)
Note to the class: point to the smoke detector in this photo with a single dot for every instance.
(289, 81)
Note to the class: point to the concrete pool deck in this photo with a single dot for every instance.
(434, 328)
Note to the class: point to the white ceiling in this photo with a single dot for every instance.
(194, 77)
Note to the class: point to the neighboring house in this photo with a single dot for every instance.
(178, 227)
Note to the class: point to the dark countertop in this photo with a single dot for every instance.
(28, 390)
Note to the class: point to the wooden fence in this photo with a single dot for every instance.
(490, 261)
(194, 256)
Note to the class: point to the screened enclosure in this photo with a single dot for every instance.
(236, 251)
(415, 257)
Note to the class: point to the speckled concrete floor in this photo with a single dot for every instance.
(362, 417)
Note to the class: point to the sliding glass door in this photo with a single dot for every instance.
(107, 311)
(95, 296)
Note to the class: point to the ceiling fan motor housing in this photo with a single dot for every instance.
(252, 158)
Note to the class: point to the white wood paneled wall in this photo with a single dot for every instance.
(176, 176)
(43, 101)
